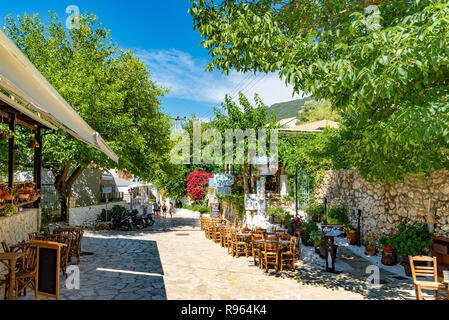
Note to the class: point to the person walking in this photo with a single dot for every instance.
(164, 210)
(172, 210)
(155, 209)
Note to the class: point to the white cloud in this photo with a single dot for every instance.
(187, 79)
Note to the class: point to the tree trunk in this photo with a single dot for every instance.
(64, 186)
(245, 178)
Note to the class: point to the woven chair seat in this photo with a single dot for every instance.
(430, 285)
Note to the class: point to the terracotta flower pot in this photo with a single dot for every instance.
(24, 196)
(388, 248)
(8, 197)
(352, 237)
(370, 251)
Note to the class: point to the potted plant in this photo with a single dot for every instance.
(370, 250)
(386, 244)
(9, 194)
(351, 233)
(388, 255)
(36, 195)
(33, 143)
(5, 133)
(294, 225)
(413, 239)
(306, 230)
(315, 211)
(24, 193)
(318, 241)
(9, 210)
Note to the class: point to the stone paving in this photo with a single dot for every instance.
(173, 260)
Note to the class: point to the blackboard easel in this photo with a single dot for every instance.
(214, 210)
(48, 265)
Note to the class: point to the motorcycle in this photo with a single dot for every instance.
(138, 219)
(148, 217)
(123, 223)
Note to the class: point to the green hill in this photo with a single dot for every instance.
(288, 109)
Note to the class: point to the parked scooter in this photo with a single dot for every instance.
(138, 220)
(123, 223)
(148, 217)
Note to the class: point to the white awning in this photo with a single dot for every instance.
(21, 78)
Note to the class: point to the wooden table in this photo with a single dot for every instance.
(9, 259)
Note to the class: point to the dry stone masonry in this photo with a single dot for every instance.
(384, 206)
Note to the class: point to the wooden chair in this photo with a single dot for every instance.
(202, 222)
(26, 277)
(33, 235)
(229, 241)
(5, 246)
(290, 254)
(61, 237)
(426, 271)
(283, 236)
(271, 252)
(239, 246)
(216, 234)
(75, 235)
(279, 232)
(75, 246)
(222, 231)
(256, 252)
(209, 230)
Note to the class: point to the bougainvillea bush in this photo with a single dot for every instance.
(196, 183)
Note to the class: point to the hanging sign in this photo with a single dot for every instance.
(224, 191)
(224, 180)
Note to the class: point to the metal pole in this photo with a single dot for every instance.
(38, 164)
(296, 191)
(359, 214)
(325, 211)
(12, 122)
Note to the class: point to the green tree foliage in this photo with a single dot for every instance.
(312, 153)
(174, 178)
(386, 69)
(244, 116)
(316, 111)
(110, 89)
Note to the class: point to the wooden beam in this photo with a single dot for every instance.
(38, 164)
(26, 125)
(12, 122)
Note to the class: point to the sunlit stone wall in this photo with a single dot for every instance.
(384, 206)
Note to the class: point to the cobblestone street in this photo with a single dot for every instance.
(173, 260)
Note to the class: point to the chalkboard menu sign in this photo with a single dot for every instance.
(214, 210)
(48, 259)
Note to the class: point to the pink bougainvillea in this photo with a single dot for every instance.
(196, 182)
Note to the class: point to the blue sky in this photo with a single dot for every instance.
(161, 34)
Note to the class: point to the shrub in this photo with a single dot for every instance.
(308, 230)
(196, 182)
(337, 215)
(314, 210)
(280, 214)
(106, 215)
(413, 239)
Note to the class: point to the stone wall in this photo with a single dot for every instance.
(17, 227)
(87, 216)
(384, 206)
